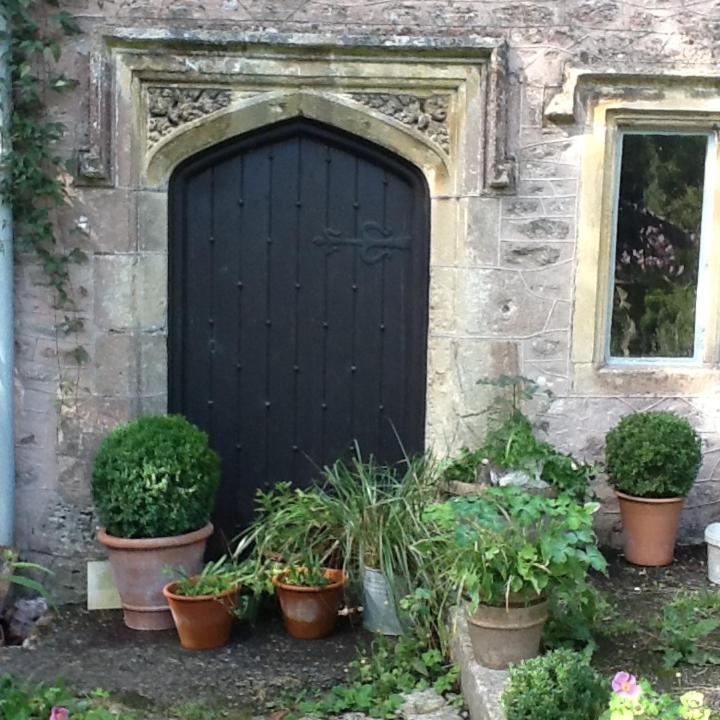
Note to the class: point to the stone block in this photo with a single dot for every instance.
(443, 292)
(152, 364)
(482, 688)
(523, 254)
(114, 306)
(152, 221)
(152, 292)
(554, 282)
(542, 228)
(483, 228)
(497, 303)
(102, 217)
(116, 364)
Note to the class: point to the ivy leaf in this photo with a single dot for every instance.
(68, 23)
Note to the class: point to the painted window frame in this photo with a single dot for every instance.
(709, 183)
(594, 370)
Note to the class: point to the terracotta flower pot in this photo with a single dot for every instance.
(138, 568)
(203, 622)
(310, 613)
(502, 637)
(650, 526)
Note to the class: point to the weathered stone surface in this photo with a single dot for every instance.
(501, 294)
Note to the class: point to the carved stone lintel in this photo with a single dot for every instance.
(171, 107)
(428, 115)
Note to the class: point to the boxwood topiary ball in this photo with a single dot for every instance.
(155, 477)
(653, 454)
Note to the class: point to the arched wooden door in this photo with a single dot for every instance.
(298, 304)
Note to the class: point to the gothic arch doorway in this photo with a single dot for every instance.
(298, 294)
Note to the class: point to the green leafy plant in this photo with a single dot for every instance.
(632, 699)
(24, 701)
(38, 179)
(507, 546)
(377, 679)
(558, 686)
(216, 577)
(512, 445)
(653, 454)
(688, 629)
(155, 477)
(308, 573)
(17, 573)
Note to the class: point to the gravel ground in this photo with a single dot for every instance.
(149, 671)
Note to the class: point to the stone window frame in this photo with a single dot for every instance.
(676, 110)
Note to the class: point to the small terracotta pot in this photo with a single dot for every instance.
(138, 568)
(310, 613)
(505, 636)
(650, 526)
(203, 622)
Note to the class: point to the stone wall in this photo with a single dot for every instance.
(501, 295)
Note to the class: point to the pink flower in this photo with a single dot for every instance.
(625, 685)
(59, 713)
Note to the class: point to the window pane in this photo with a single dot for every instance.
(658, 245)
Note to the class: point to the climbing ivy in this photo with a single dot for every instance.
(37, 181)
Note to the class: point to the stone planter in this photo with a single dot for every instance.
(505, 636)
(138, 568)
(650, 526)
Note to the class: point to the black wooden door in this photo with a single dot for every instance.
(298, 305)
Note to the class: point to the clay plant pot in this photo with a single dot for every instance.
(138, 568)
(310, 612)
(502, 637)
(203, 622)
(650, 526)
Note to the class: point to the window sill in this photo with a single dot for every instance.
(671, 378)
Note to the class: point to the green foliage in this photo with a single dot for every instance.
(663, 706)
(155, 477)
(575, 620)
(512, 444)
(377, 679)
(307, 573)
(364, 514)
(558, 686)
(653, 454)
(688, 629)
(216, 577)
(18, 573)
(509, 546)
(23, 701)
(36, 185)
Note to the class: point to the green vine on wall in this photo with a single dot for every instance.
(37, 179)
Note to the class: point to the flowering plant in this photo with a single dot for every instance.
(632, 699)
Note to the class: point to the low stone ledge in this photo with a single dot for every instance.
(482, 687)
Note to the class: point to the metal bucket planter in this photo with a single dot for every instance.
(505, 636)
(379, 607)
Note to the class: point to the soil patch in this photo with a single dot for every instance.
(149, 671)
(640, 595)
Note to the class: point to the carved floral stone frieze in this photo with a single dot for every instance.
(425, 114)
(171, 107)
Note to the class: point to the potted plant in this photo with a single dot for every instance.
(309, 595)
(505, 552)
(380, 509)
(203, 605)
(652, 461)
(154, 483)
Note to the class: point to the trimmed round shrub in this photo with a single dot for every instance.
(558, 686)
(653, 454)
(155, 477)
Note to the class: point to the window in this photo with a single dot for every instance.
(658, 261)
